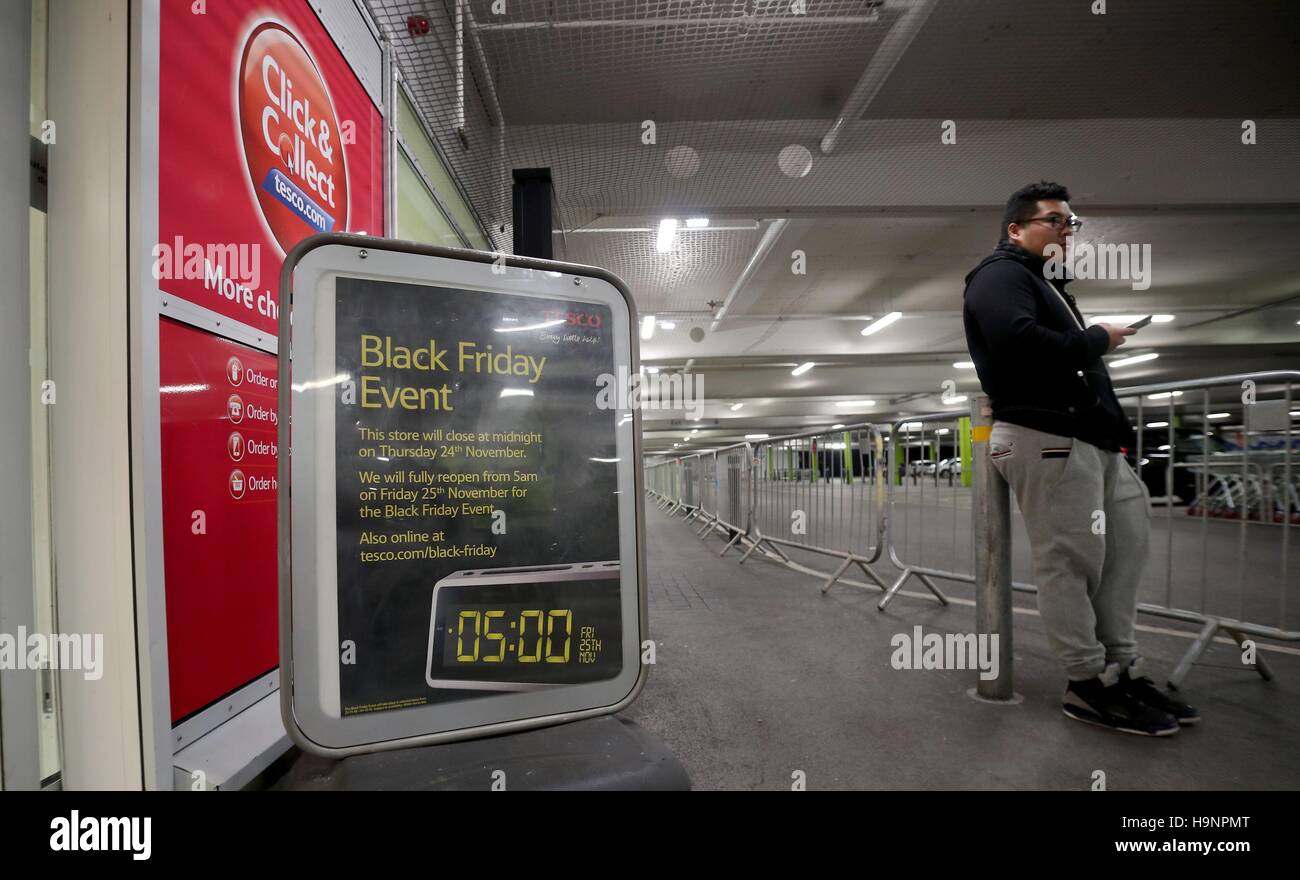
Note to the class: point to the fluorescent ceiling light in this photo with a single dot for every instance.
(941, 431)
(964, 365)
(667, 233)
(958, 398)
(647, 327)
(687, 437)
(1161, 319)
(912, 426)
(667, 325)
(1164, 395)
(756, 436)
(1218, 415)
(836, 427)
(881, 323)
(516, 392)
(801, 369)
(651, 370)
(1157, 424)
(606, 460)
(736, 406)
(697, 222)
(1136, 359)
(695, 430)
(855, 404)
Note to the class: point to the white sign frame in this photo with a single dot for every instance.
(309, 643)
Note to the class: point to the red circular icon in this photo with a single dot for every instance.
(235, 409)
(237, 484)
(293, 147)
(235, 446)
(235, 371)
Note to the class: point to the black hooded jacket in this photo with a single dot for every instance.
(1035, 359)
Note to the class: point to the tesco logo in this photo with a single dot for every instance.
(290, 135)
(575, 319)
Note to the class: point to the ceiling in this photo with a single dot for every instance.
(815, 141)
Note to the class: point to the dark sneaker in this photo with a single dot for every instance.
(1104, 701)
(1144, 690)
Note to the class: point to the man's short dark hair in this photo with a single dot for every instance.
(1024, 202)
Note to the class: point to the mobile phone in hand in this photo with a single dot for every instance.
(1140, 324)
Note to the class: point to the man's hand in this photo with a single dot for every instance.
(1116, 334)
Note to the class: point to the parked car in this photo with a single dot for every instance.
(921, 467)
(949, 465)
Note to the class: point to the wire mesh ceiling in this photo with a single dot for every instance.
(746, 110)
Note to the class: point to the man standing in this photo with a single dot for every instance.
(1058, 435)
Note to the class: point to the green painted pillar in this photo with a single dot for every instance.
(967, 460)
(769, 463)
(812, 462)
(848, 459)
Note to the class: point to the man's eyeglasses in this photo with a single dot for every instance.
(1058, 221)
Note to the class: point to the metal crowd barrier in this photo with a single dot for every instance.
(1234, 532)
(817, 493)
(664, 482)
(923, 507)
(1240, 492)
(849, 494)
(727, 509)
(790, 499)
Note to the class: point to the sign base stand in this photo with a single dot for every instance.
(596, 754)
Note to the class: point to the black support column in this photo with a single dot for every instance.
(532, 212)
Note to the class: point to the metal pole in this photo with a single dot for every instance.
(992, 522)
(389, 65)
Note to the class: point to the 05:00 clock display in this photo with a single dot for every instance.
(473, 628)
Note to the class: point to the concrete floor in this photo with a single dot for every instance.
(759, 675)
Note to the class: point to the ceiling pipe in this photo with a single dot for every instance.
(460, 67)
(770, 235)
(1239, 312)
(882, 64)
(479, 59)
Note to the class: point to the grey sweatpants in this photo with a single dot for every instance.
(1089, 522)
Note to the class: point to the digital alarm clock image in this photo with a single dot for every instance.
(526, 628)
